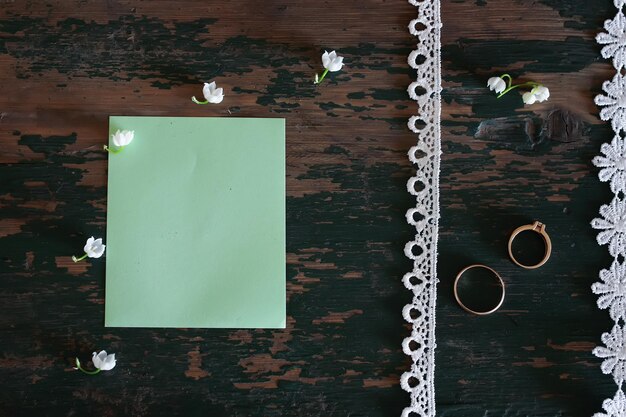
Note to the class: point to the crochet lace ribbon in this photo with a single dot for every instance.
(425, 155)
(611, 288)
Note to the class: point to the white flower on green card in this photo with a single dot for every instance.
(93, 249)
(123, 137)
(101, 361)
(120, 139)
(211, 93)
(331, 62)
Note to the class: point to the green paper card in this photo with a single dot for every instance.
(196, 224)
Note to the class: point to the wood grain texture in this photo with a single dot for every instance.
(65, 66)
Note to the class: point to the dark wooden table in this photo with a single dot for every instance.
(65, 66)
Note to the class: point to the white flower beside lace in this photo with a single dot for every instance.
(613, 164)
(614, 40)
(614, 102)
(614, 354)
(612, 226)
(615, 407)
(612, 290)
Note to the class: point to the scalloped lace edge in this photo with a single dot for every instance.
(611, 288)
(422, 250)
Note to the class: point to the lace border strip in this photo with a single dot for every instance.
(611, 289)
(425, 156)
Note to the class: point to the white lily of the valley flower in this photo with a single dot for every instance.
(529, 98)
(93, 249)
(496, 84)
(211, 93)
(120, 139)
(101, 361)
(123, 138)
(331, 62)
(539, 94)
(542, 93)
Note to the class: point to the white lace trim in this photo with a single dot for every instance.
(425, 155)
(612, 224)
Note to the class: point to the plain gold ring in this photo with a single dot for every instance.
(537, 227)
(458, 299)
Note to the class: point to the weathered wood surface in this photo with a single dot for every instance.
(65, 66)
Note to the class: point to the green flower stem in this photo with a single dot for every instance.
(503, 76)
(118, 150)
(322, 77)
(195, 100)
(513, 87)
(80, 368)
(75, 259)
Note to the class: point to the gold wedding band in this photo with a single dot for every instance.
(537, 227)
(458, 299)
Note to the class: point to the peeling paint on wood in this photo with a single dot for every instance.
(195, 370)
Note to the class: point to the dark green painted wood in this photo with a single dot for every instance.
(65, 66)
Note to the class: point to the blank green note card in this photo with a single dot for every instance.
(196, 224)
